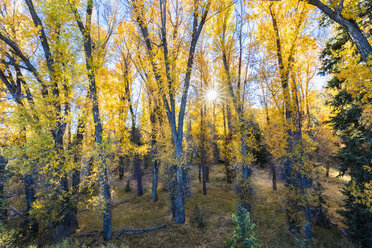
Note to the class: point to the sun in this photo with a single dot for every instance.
(211, 95)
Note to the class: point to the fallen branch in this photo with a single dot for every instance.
(122, 231)
(118, 237)
(340, 229)
(20, 213)
(343, 232)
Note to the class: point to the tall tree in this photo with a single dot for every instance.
(350, 88)
(167, 84)
(86, 32)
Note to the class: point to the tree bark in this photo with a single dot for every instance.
(121, 167)
(356, 34)
(3, 213)
(30, 222)
(138, 174)
(226, 143)
(203, 159)
(155, 168)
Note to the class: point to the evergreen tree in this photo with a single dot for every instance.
(350, 102)
(244, 235)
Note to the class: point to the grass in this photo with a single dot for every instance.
(268, 214)
(217, 207)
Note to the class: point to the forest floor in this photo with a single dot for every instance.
(216, 209)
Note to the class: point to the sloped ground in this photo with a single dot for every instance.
(216, 209)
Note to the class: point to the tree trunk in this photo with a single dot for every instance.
(155, 171)
(297, 179)
(3, 213)
(138, 174)
(207, 173)
(200, 172)
(179, 194)
(356, 34)
(247, 171)
(121, 167)
(226, 126)
(273, 171)
(105, 187)
(203, 159)
(30, 222)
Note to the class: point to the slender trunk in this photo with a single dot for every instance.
(30, 222)
(138, 174)
(202, 149)
(207, 173)
(226, 128)
(75, 181)
(247, 171)
(121, 167)
(3, 213)
(204, 179)
(105, 187)
(78, 143)
(200, 172)
(273, 171)
(155, 162)
(155, 180)
(136, 140)
(179, 194)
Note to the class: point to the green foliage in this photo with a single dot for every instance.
(302, 242)
(351, 103)
(244, 235)
(76, 244)
(198, 217)
(7, 236)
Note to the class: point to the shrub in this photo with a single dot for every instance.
(244, 235)
(198, 218)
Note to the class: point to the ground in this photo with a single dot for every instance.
(216, 209)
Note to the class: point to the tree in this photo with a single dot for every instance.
(244, 235)
(351, 103)
(167, 84)
(90, 63)
(49, 74)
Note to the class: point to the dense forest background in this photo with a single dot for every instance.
(185, 123)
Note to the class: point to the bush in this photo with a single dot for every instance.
(244, 235)
(198, 218)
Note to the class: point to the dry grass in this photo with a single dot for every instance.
(268, 214)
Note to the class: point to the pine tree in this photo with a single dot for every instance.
(351, 120)
(244, 235)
